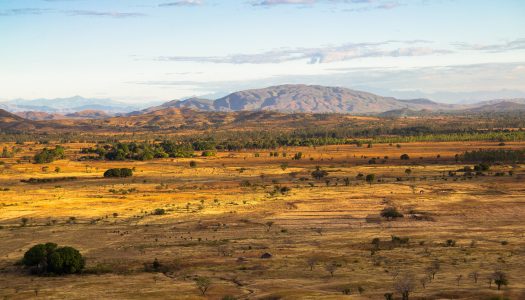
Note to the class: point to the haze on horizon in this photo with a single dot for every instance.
(137, 50)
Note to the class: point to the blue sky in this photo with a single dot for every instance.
(138, 50)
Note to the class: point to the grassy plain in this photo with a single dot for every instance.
(218, 222)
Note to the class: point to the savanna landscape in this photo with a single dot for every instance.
(262, 149)
(314, 216)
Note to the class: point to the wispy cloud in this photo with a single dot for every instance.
(319, 55)
(182, 3)
(517, 44)
(305, 2)
(103, 13)
(364, 5)
(450, 83)
(24, 11)
(282, 2)
(40, 11)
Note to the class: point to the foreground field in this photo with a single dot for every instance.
(218, 219)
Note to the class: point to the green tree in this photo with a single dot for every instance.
(370, 178)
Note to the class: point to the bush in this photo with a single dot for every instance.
(159, 211)
(370, 178)
(318, 173)
(122, 172)
(391, 213)
(49, 155)
(209, 153)
(404, 157)
(51, 259)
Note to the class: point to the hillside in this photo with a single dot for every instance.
(299, 98)
(310, 98)
(503, 106)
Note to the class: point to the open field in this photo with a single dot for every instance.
(223, 214)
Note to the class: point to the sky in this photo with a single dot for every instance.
(159, 50)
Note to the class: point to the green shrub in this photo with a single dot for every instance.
(49, 155)
(391, 213)
(51, 259)
(122, 172)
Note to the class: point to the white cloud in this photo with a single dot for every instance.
(183, 3)
(319, 55)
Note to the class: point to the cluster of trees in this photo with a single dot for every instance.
(144, 150)
(50, 259)
(492, 156)
(118, 172)
(8, 154)
(49, 155)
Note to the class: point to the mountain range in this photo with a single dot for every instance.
(295, 98)
(69, 105)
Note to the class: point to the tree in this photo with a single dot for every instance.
(474, 275)
(118, 173)
(49, 155)
(203, 284)
(391, 213)
(312, 261)
(405, 285)
(331, 267)
(458, 278)
(193, 164)
(408, 171)
(404, 157)
(49, 258)
(269, 225)
(318, 173)
(500, 278)
(370, 178)
(65, 260)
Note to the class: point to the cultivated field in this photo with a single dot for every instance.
(218, 218)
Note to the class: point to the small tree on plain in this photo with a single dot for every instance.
(331, 267)
(391, 213)
(405, 285)
(269, 225)
(500, 278)
(474, 275)
(370, 178)
(203, 284)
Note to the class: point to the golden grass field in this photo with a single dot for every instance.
(216, 228)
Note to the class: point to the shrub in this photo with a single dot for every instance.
(318, 173)
(391, 213)
(159, 211)
(370, 178)
(404, 157)
(208, 153)
(193, 164)
(49, 258)
(118, 172)
(49, 155)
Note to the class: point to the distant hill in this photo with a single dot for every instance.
(501, 106)
(301, 98)
(39, 115)
(290, 98)
(69, 105)
(89, 114)
(192, 103)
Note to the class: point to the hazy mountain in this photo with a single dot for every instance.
(39, 115)
(499, 106)
(192, 103)
(304, 98)
(89, 114)
(69, 105)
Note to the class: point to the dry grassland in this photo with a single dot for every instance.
(217, 225)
